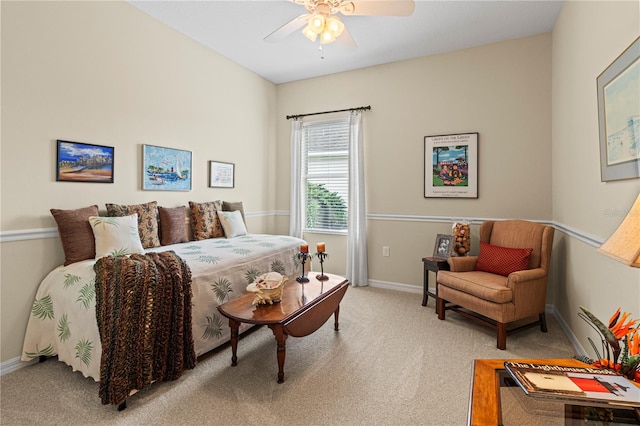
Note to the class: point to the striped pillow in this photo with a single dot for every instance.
(502, 260)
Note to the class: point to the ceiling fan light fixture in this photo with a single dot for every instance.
(309, 32)
(335, 26)
(316, 23)
(327, 37)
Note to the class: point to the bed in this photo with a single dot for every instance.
(63, 316)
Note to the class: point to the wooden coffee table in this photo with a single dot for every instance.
(304, 308)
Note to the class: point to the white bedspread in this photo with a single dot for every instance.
(63, 318)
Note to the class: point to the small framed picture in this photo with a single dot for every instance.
(84, 162)
(221, 175)
(443, 246)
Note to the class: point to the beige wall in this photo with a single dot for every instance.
(502, 91)
(588, 36)
(106, 73)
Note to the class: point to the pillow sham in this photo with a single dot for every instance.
(147, 220)
(204, 220)
(502, 260)
(172, 225)
(230, 206)
(75, 233)
(116, 236)
(232, 223)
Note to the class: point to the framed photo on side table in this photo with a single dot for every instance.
(619, 116)
(451, 166)
(443, 246)
(221, 175)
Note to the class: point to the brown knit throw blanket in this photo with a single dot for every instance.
(143, 309)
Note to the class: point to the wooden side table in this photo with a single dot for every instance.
(432, 264)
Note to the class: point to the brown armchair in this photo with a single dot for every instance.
(500, 299)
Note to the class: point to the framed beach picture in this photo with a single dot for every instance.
(221, 175)
(84, 162)
(451, 166)
(165, 169)
(619, 116)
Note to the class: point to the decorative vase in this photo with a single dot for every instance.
(462, 239)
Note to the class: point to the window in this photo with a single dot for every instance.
(325, 174)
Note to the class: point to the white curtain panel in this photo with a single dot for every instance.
(357, 259)
(296, 209)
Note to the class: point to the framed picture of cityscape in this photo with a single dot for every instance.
(84, 162)
(619, 116)
(165, 169)
(451, 166)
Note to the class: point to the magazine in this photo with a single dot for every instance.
(579, 385)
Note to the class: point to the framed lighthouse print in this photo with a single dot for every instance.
(165, 169)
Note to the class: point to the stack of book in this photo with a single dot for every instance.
(575, 385)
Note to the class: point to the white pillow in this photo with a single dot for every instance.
(232, 223)
(116, 236)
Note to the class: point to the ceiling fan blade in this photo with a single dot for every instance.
(345, 41)
(287, 29)
(379, 7)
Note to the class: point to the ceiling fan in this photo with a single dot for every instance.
(321, 19)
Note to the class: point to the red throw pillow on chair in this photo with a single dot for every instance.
(502, 260)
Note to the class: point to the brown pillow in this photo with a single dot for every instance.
(76, 234)
(147, 220)
(172, 225)
(204, 220)
(228, 206)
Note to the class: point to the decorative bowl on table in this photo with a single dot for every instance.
(267, 288)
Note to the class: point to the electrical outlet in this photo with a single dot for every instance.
(385, 251)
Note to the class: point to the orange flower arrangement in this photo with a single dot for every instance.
(625, 360)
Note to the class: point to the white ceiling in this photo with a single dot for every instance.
(236, 29)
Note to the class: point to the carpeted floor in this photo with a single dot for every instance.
(392, 363)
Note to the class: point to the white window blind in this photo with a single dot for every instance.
(325, 174)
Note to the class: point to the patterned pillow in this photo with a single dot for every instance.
(232, 223)
(147, 220)
(116, 236)
(172, 225)
(502, 260)
(75, 233)
(204, 220)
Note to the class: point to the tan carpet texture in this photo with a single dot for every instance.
(391, 363)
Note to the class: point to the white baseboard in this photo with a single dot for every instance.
(395, 286)
(14, 364)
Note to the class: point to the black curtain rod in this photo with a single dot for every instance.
(362, 108)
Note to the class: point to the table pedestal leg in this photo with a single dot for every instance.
(281, 339)
(235, 326)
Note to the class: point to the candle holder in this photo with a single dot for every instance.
(322, 256)
(302, 257)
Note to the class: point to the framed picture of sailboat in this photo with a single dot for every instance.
(165, 169)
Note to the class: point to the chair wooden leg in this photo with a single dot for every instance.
(502, 335)
(440, 309)
(543, 322)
